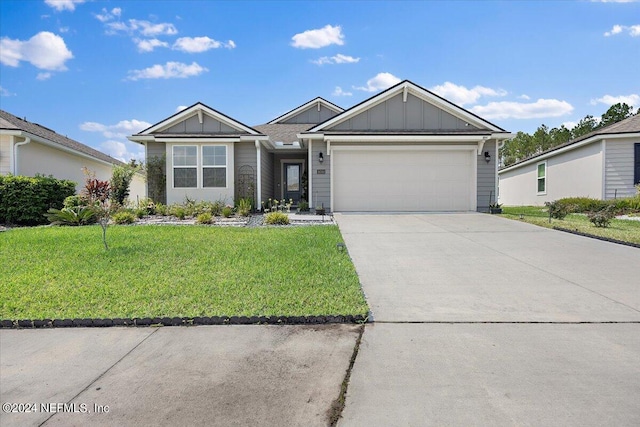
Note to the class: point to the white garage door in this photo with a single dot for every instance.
(403, 181)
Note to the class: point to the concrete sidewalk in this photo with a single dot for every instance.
(203, 375)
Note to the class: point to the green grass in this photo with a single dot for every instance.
(176, 271)
(625, 230)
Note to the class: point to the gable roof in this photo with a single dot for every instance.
(405, 87)
(12, 123)
(629, 126)
(316, 101)
(197, 109)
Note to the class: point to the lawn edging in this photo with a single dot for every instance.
(181, 321)
(593, 236)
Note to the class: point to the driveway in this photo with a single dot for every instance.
(481, 320)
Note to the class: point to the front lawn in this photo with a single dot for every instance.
(176, 271)
(625, 230)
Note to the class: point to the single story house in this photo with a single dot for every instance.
(28, 149)
(604, 164)
(404, 149)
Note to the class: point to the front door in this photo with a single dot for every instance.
(292, 184)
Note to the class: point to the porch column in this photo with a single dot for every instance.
(258, 176)
(310, 175)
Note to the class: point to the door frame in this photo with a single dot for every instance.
(302, 162)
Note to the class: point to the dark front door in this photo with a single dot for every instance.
(636, 175)
(292, 182)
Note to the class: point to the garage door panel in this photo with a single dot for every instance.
(402, 180)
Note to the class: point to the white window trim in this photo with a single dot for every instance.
(199, 166)
(174, 167)
(538, 178)
(225, 166)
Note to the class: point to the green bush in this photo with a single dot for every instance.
(74, 216)
(227, 211)
(75, 201)
(204, 218)
(121, 181)
(140, 212)
(244, 207)
(627, 205)
(161, 209)
(178, 211)
(25, 200)
(559, 210)
(124, 217)
(276, 218)
(582, 204)
(303, 206)
(603, 217)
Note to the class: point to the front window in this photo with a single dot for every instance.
(542, 178)
(214, 166)
(185, 166)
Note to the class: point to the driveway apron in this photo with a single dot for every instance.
(480, 320)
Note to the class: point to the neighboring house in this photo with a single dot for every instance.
(604, 164)
(28, 149)
(404, 149)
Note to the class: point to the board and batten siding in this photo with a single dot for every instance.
(486, 182)
(311, 115)
(321, 187)
(266, 162)
(245, 155)
(5, 154)
(619, 158)
(394, 114)
(574, 173)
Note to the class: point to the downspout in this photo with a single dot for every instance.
(258, 176)
(15, 153)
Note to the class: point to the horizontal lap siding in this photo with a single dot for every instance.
(266, 162)
(321, 183)
(486, 183)
(619, 168)
(5, 153)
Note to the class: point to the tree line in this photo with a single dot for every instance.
(524, 145)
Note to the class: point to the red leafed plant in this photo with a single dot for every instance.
(99, 195)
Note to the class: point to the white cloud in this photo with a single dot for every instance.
(522, 110)
(379, 82)
(633, 30)
(145, 28)
(314, 39)
(569, 124)
(123, 150)
(461, 95)
(43, 76)
(61, 5)
(119, 130)
(614, 1)
(107, 16)
(524, 96)
(200, 44)
(63, 29)
(336, 59)
(180, 108)
(5, 92)
(45, 50)
(339, 92)
(170, 70)
(148, 45)
(631, 99)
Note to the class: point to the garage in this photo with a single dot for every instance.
(403, 179)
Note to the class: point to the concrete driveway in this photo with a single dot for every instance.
(481, 320)
(202, 375)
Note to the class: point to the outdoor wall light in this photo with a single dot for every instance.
(487, 156)
(320, 157)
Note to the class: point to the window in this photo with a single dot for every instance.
(542, 178)
(185, 166)
(199, 168)
(214, 166)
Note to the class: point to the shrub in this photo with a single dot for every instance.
(582, 204)
(303, 206)
(25, 200)
(148, 206)
(603, 217)
(627, 205)
(75, 201)
(276, 218)
(161, 209)
(124, 217)
(227, 211)
(73, 216)
(244, 207)
(178, 211)
(121, 181)
(559, 210)
(204, 218)
(140, 212)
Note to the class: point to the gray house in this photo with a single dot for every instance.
(604, 164)
(404, 149)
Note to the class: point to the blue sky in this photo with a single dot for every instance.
(97, 71)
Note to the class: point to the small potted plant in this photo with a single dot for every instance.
(495, 208)
(320, 210)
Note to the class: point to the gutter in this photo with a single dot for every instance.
(26, 141)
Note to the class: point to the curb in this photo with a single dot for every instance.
(593, 236)
(180, 321)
